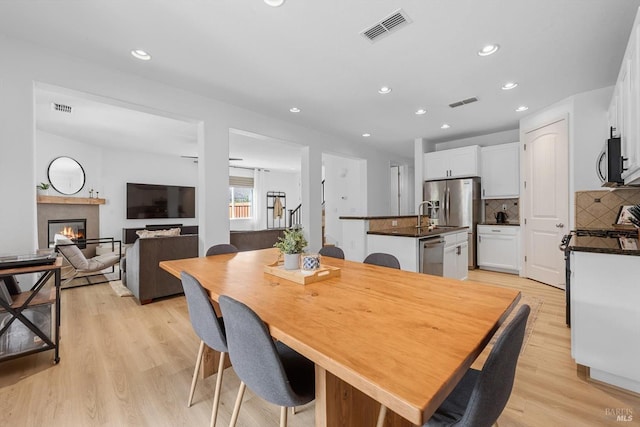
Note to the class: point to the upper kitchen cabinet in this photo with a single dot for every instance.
(500, 171)
(456, 163)
(624, 110)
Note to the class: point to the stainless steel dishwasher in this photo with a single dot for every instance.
(431, 255)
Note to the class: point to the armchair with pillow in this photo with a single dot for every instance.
(144, 277)
(80, 265)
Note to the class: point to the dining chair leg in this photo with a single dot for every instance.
(293, 410)
(236, 408)
(195, 373)
(216, 393)
(283, 416)
(381, 416)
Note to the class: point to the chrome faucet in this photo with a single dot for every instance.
(426, 202)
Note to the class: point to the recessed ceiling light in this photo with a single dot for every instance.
(421, 111)
(384, 90)
(509, 85)
(274, 3)
(294, 109)
(366, 135)
(522, 108)
(445, 126)
(141, 54)
(488, 50)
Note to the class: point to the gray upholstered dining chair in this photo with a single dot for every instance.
(222, 248)
(382, 259)
(480, 396)
(209, 328)
(273, 371)
(332, 251)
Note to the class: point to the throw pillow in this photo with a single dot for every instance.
(144, 234)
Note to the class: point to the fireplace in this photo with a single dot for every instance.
(74, 229)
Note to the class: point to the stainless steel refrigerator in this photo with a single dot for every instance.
(456, 202)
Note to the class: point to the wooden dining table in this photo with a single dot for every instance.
(376, 335)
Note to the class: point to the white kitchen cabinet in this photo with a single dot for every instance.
(456, 256)
(499, 248)
(500, 165)
(403, 248)
(605, 315)
(624, 109)
(455, 163)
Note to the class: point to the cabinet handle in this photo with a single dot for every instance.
(458, 250)
(561, 225)
(483, 191)
(498, 231)
(479, 239)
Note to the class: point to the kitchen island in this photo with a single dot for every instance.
(441, 251)
(604, 298)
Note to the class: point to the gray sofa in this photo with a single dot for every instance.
(144, 277)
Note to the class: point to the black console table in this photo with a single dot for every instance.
(37, 297)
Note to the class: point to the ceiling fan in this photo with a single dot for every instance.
(195, 158)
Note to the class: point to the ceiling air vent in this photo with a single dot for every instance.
(463, 102)
(61, 107)
(389, 24)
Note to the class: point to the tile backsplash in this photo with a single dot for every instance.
(493, 206)
(599, 209)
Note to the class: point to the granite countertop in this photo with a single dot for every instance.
(516, 224)
(417, 233)
(378, 217)
(605, 245)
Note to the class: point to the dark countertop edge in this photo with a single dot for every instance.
(632, 252)
(377, 217)
(396, 233)
(493, 224)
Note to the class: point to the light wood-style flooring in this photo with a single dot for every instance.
(128, 365)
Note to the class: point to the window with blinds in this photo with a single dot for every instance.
(240, 197)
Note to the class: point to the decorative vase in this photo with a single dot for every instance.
(291, 261)
(42, 192)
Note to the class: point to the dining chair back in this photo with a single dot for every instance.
(382, 259)
(272, 370)
(332, 251)
(210, 329)
(481, 396)
(222, 248)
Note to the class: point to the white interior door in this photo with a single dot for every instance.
(546, 201)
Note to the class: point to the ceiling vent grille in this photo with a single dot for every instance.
(391, 23)
(62, 108)
(463, 102)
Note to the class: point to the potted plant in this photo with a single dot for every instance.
(43, 188)
(291, 245)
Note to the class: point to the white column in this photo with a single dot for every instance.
(311, 181)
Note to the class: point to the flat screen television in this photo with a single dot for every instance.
(160, 201)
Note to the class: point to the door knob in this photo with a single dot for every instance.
(561, 225)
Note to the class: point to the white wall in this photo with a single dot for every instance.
(343, 193)
(496, 138)
(49, 146)
(24, 64)
(108, 173)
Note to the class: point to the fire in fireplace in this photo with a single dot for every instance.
(74, 229)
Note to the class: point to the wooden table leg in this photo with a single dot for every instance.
(340, 404)
(210, 361)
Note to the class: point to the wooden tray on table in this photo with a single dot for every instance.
(300, 276)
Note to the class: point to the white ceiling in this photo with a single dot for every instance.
(310, 54)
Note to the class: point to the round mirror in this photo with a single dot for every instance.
(66, 175)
